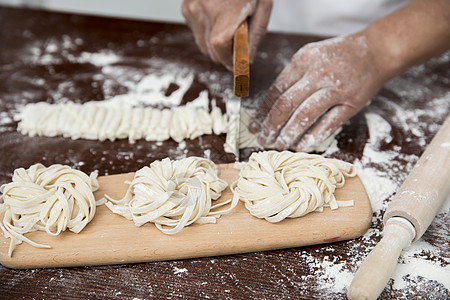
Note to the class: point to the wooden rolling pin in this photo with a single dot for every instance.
(408, 216)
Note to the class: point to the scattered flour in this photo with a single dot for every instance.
(419, 269)
(378, 187)
(333, 275)
(177, 271)
(379, 132)
(103, 58)
(150, 89)
(145, 85)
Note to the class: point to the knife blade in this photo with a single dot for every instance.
(241, 70)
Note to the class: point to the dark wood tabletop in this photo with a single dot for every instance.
(54, 57)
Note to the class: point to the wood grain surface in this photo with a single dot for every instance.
(112, 239)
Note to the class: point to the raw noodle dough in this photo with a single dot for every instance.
(174, 194)
(100, 121)
(49, 199)
(278, 185)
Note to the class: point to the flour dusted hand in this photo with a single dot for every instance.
(173, 194)
(328, 82)
(278, 185)
(50, 199)
(324, 85)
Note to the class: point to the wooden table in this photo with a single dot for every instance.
(55, 57)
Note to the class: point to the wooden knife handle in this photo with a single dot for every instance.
(241, 61)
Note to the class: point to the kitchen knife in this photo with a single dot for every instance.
(241, 70)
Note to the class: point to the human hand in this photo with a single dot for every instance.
(213, 24)
(324, 85)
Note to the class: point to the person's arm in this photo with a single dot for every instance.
(326, 83)
(411, 35)
(213, 23)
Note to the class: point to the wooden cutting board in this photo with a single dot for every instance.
(112, 239)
